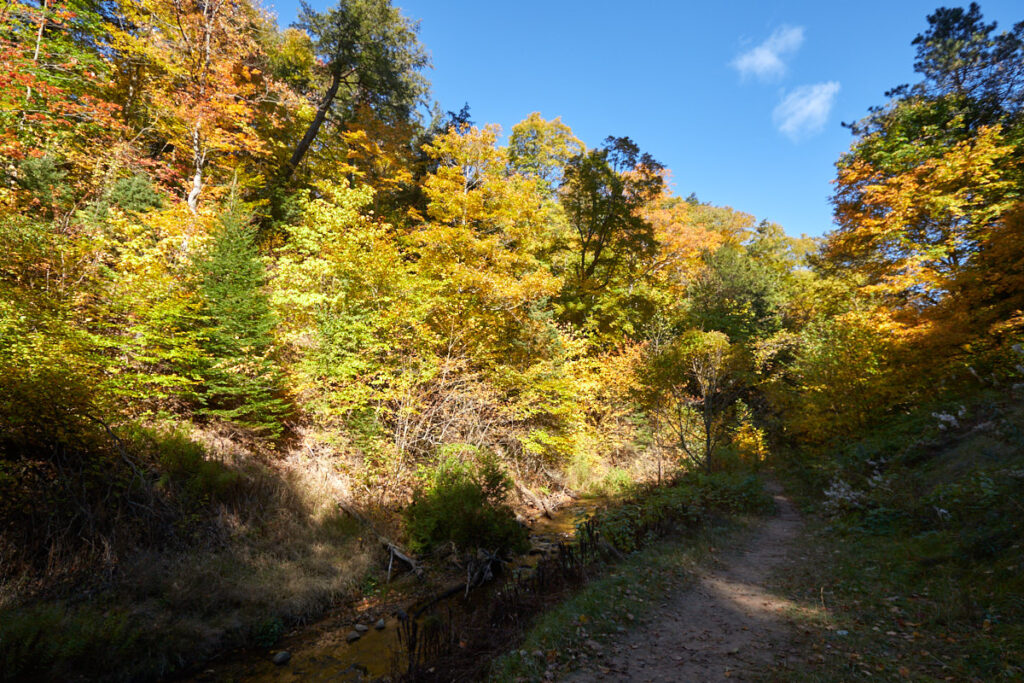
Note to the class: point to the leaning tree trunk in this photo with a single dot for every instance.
(314, 126)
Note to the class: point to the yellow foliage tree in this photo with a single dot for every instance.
(913, 232)
(481, 241)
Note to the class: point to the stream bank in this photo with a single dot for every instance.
(458, 638)
(363, 642)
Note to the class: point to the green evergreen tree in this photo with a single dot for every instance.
(241, 381)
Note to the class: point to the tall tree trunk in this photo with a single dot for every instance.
(709, 425)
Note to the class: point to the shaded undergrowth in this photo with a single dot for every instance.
(918, 552)
(232, 549)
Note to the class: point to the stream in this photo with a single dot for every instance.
(322, 652)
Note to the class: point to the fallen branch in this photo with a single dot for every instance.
(394, 550)
(475, 576)
(483, 571)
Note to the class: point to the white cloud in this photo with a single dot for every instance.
(766, 60)
(804, 111)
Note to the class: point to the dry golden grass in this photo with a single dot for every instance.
(277, 552)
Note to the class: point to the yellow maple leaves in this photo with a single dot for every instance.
(484, 222)
(913, 231)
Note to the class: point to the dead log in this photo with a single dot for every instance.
(394, 550)
(476, 575)
(533, 498)
(484, 571)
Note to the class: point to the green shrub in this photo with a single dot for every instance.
(464, 503)
(136, 193)
(686, 504)
(267, 632)
(183, 464)
(733, 492)
(613, 482)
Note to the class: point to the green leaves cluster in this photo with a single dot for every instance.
(464, 502)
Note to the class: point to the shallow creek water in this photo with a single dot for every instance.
(322, 653)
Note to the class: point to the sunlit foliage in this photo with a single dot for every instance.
(209, 220)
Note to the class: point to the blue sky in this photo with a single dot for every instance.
(741, 99)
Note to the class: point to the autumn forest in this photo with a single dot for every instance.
(274, 327)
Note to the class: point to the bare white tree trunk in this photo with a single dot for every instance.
(39, 43)
(199, 159)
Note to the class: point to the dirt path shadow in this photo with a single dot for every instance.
(727, 627)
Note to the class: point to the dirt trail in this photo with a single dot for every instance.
(726, 627)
